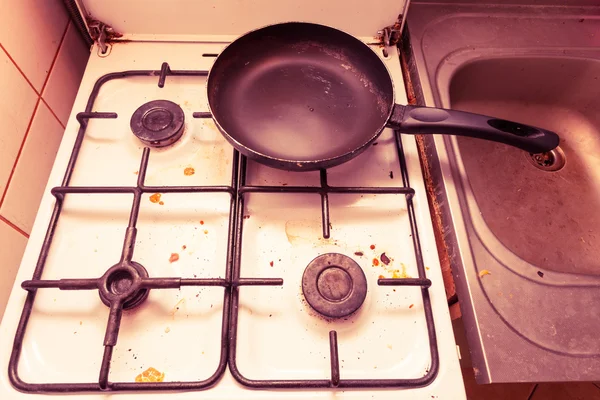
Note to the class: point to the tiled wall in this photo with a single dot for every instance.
(42, 59)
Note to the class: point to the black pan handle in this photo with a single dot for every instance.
(429, 120)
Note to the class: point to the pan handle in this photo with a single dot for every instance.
(429, 120)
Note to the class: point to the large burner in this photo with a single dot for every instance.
(122, 282)
(158, 123)
(334, 285)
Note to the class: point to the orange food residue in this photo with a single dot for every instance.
(201, 222)
(150, 375)
(136, 172)
(411, 306)
(189, 171)
(155, 198)
(381, 277)
(372, 247)
(174, 257)
(484, 272)
(375, 262)
(205, 232)
(161, 203)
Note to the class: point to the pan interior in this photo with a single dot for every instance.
(300, 92)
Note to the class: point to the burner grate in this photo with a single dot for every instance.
(123, 282)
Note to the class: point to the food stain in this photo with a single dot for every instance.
(184, 247)
(155, 198)
(161, 203)
(205, 232)
(167, 329)
(271, 263)
(411, 306)
(359, 253)
(174, 257)
(372, 247)
(150, 375)
(176, 307)
(381, 277)
(484, 272)
(375, 262)
(201, 222)
(189, 171)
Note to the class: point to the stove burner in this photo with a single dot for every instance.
(334, 285)
(121, 282)
(158, 123)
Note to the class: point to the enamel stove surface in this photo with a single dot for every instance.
(225, 311)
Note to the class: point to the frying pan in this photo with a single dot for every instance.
(302, 96)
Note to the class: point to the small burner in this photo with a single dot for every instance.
(334, 285)
(158, 123)
(122, 282)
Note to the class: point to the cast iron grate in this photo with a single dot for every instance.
(127, 268)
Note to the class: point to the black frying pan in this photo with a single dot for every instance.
(302, 96)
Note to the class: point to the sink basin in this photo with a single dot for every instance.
(522, 231)
(549, 218)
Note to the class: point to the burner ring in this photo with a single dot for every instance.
(122, 283)
(334, 285)
(158, 123)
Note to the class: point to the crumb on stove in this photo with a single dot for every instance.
(484, 272)
(359, 253)
(427, 268)
(189, 171)
(150, 375)
(271, 263)
(201, 222)
(375, 262)
(381, 277)
(184, 247)
(136, 172)
(205, 232)
(411, 306)
(167, 329)
(155, 198)
(391, 174)
(372, 247)
(540, 274)
(385, 259)
(174, 257)
(161, 203)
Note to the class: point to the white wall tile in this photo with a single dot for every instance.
(66, 75)
(30, 31)
(33, 168)
(17, 101)
(12, 245)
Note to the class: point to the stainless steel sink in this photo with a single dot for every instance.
(523, 230)
(543, 208)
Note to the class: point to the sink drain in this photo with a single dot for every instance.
(552, 160)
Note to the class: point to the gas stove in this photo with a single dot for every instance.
(164, 262)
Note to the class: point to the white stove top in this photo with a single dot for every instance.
(178, 331)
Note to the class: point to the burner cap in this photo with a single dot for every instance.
(334, 285)
(121, 281)
(158, 123)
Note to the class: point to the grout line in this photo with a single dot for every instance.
(60, 45)
(35, 109)
(52, 112)
(16, 228)
(532, 391)
(19, 69)
(12, 172)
